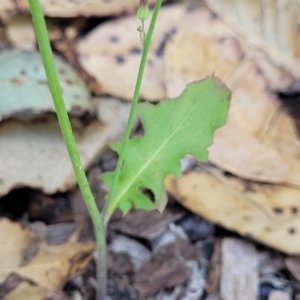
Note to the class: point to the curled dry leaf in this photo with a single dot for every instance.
(45, 266)
(28, 150)
(265, 212)
(270, 25)
(70, 8)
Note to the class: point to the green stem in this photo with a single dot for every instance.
(64, 122)
(111, 205)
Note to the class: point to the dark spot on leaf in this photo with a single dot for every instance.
(161, 48)
(62, 71)
(268, 229)
(278, 210)
(36, 68)
(69, 82)
(135, 50)
(76, 96)
(120, 59)
(150, 62)
(114, 39)
(294, 210)
(44, 82)
(195, 186)
(23, 72)
(292, 230)
(17, 81)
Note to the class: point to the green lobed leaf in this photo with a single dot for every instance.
(173, 128)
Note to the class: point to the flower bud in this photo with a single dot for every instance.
(143, 11)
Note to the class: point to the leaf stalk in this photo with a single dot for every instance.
(110, 203)
(65, 126)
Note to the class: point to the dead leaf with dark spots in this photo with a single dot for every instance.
(267, 213)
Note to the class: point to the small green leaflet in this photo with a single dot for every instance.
(173, 128)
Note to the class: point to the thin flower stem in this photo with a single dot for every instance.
(64, 122)
(111, 205)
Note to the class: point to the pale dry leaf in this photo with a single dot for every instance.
(268, 24)
(111, 52)
(25, 290)
(20, 32)
(259, 140)
(24, 88)
(28, 150)
(71, 8)
(265, 212)
(49, 265)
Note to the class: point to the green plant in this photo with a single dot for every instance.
(171, 131)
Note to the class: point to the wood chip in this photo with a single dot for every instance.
(239, 274)
(279, 295)
(213, 276)
(293, 265)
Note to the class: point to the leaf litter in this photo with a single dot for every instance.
(260, 137)
(70, 8)
(45, 267)
(24, 88)
(28, 146)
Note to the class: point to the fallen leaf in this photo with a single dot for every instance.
(259, 140)
(120, 48)
(20, 32)
(28, 150)
(70, 8)
(269, 25)
(24, 89)
(264, 212)
(47, 267)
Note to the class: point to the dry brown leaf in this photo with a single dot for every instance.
(111, 52)
(20, 32)
(34, 154)
(270, 25)
(70, 8)
(265, 212)
(46, 266)
(259, 140)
